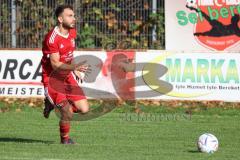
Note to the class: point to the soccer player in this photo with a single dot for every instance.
(58, 48)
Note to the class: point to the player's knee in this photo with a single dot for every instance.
(85, 109)
(82, 106)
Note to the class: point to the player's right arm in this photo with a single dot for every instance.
(57, 64)
(51, 50)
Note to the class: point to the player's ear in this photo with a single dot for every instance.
(60, 19)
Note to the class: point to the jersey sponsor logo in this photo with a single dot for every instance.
(68, 57)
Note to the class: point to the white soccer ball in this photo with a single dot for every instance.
(207, 143)
(191, 2)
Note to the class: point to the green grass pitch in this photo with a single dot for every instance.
(120, 135)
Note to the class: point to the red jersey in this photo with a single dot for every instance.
(55, 42)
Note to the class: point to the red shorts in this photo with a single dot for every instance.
(69, 91)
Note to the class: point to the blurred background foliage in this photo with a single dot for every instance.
(101, 24)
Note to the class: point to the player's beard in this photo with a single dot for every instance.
(68, 26)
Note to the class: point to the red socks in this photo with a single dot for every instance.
(64, 131)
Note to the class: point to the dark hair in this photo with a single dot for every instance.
(61, 8)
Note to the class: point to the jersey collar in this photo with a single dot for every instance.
(56, 29)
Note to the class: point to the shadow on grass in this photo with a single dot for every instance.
(193, 151)
(24, 140)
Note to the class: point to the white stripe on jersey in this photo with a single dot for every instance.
(53, 35)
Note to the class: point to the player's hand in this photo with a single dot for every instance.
(82, 68)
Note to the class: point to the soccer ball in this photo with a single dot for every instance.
(191, 2)
(207, 143)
